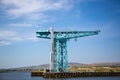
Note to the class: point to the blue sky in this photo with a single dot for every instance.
(20, 19)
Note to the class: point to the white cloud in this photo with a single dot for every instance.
(27, 11)
(20, 25)
(18, 8)
(3, 43)
(9, 37)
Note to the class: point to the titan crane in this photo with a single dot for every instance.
(58, 41)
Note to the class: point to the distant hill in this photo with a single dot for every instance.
(117, 64)
(74, 65)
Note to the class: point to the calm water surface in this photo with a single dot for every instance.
(27, 76)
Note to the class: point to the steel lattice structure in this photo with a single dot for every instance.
(58, 53)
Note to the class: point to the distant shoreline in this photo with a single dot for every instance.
(96, 67)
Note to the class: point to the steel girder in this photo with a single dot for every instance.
(59, 56)
(65, 34)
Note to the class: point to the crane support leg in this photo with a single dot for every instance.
(60, 63)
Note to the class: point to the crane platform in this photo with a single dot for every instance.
(73, 74)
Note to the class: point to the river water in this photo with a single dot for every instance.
(27, 76)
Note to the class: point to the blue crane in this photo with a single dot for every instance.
(58, 41)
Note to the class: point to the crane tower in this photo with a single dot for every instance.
(58, 49)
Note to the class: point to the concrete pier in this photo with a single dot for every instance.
(37, 74)
(73, 74)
